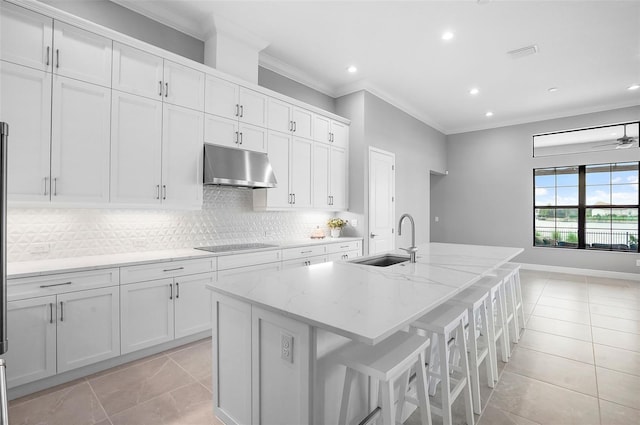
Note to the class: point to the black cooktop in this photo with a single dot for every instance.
(236, 247)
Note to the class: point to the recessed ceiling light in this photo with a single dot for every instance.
(634, 87)
(448, 35)
(552, 89)
(488, 114)
(352, 69)
(474, 91)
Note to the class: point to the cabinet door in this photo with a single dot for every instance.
(136, 148)
(278, 152)
(253, 107)
(81, 54)
(321, 155)
(146, 314)
(183, 86)
(25, 37)
(321, 129)
(182, 151)
(25, 102)
(80, 141)
(221, 97)
(137, 72)
(279, 116)
(31, 330)
(192, 304)
(302, 123)
(301, 169)
(338, 178)
(340, 134)
(88, 327)
(221, 131)
(252, 138)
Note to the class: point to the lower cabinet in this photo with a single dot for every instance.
(58, 333)
(161, 310)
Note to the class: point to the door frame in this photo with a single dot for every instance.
(367, 236)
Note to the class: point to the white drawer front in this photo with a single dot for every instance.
(248, 259)
(302, 262)
(144, 272)
(28, 287)
(343, 247)
(303, 251)
(269, 267)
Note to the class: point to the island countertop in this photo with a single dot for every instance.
(366, 303)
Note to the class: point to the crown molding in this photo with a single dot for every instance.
(295, 74)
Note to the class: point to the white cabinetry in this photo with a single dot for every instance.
(26, 37)
(183, 86)
(137, 72)
(343, 251)
(330, 131)
(285, 117)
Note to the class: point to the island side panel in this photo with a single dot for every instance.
(231, 350)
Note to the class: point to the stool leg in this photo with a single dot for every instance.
(523, 322)
(346, 392)
(423, 398)
(445, 379)
(504, 325)
(387, 402)
(434, 364)
(491, 325)
(490, 360)
(512, 310)
(465, 370)
(473, 362)
(402, 393)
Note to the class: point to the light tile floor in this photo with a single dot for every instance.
(577, 363)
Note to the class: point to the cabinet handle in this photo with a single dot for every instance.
(57, 58)
(237, 110)
(166, 89)
(55, 186)
(177, 290)
(171, 289)
(295, 126)
(46, 180)
(240, 138)
(294, 198)
(305, 252)
(290, 125)
(48, 50)
(61, 311)
(344, 246)
(164, 191)
(289, 198)
(55, 284)
(157, 191)
(329, 136)
(173, 270)
(160, 88)
(50, 312)
(241, 111)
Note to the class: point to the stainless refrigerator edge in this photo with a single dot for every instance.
(4, 133)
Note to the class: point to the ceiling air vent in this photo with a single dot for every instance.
(523, 51)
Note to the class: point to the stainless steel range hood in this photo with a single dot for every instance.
(236, 167)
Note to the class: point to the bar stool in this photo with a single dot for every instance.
(479, 339)
(514, 295)
(387, 361)
(446, 323)
(497, 317)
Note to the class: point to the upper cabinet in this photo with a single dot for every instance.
(285, 117)
(183, 86)
(26, 37)
(330, 131)
(230, 100)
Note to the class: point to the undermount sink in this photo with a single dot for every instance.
(385, 260)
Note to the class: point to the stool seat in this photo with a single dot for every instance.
(472, 297)
(386, 359)
(442, 319)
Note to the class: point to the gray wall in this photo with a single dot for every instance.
(133, 24)
(276, 82)
(418, 148)
(487, 197)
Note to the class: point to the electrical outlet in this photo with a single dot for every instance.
(286, 348)
(437, 219)
(354, 222)
(39, 248)
(638, 263)
(268, 234)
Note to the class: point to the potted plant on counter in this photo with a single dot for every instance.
(336, 224)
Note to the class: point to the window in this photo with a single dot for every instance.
(587, 207)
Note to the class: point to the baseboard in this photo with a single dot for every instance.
(585, 272)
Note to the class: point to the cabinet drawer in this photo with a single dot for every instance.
(301, 262)
(248, 259)
(303, 251)
(268, 267)
(28, 287)
(343, 247)
(155, 271)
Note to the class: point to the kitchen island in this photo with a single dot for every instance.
(274, 333)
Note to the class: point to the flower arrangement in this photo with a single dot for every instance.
(336, 223)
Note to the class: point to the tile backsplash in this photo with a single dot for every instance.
(227, 216)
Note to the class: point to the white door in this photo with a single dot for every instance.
(183, 86)
(321, 129)
(25, 37)
(381, 201)
(252, 138)
(137, 72)
(80, 142)
(88, 327)
(81, 54)
(339, 134)
(182, 152)
(146, 314)
(192, 304)
(279, 115)
(253, 107)
(31, 327)
(301, 173)
(25, 103)
(321, 158)
(221, 131)
(278, 152)
(221, 97)
(302, 123)
(338, 178)
(136, 149)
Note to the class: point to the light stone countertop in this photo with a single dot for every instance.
(366, 303)
(73, 264)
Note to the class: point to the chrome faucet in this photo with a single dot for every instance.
(412, 249)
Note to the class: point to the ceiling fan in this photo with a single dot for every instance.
(623, 142)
